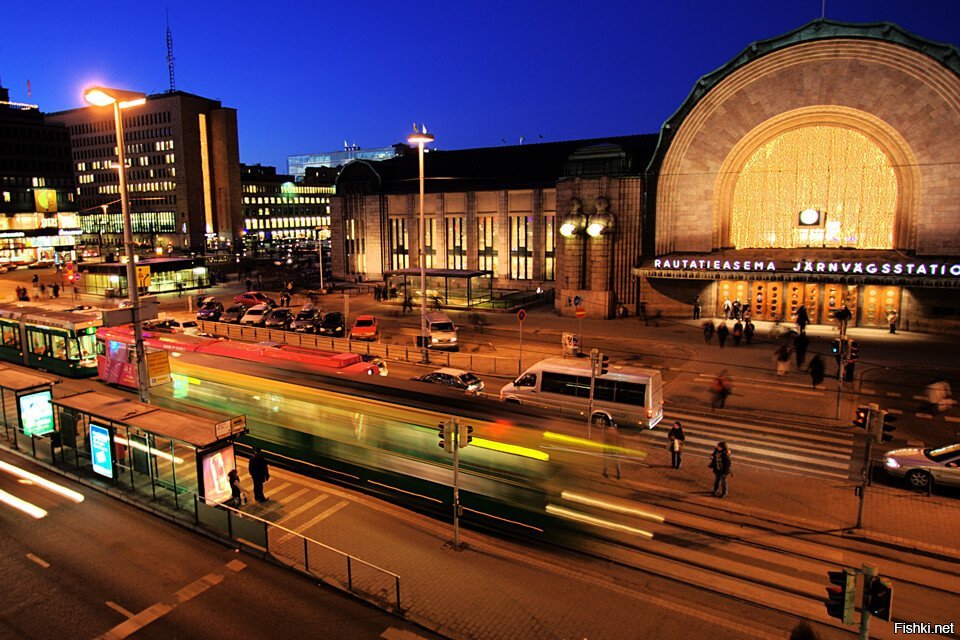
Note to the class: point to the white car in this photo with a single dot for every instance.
(256, 315)
(921, 467)
(171, 325)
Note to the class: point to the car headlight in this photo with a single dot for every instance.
(434, 339)
(891, 463)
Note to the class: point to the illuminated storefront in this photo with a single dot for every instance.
(801, 174)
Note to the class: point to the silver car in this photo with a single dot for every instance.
(921, 467)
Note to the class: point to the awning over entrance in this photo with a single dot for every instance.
(808, 265)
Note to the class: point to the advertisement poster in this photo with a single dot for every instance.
(216, 465)
(101, 452)
(36, 413)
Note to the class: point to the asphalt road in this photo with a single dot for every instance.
(101, 569)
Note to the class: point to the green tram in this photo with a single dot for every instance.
(61, 342)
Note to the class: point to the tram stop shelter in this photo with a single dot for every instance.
(158, 452)
(447, 287)
(25, 402)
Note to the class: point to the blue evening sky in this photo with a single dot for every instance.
(306, 76)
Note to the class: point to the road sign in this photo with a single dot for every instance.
(521, 315)
(577, 300)
(143, 277)
(581, 313)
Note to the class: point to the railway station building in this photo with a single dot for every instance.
(817, 168)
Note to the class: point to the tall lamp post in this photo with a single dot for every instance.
(120, 100)
(421, 138)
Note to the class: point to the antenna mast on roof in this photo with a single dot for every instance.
(170, 58)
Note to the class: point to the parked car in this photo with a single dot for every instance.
(211, 310)
(306, 320)
(454, 379)
(41, 264)
(234, 313)
(332, 325)
(171, 325)
(279, 318)
(253, 298)
(364, 328)
(256, 315)
(923, 467)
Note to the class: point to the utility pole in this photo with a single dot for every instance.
(869, 572)
(456, 483)
(874, 409)
(594, 359)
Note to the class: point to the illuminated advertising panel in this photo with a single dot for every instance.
(36, 412)
(101, 451)
(216, 465)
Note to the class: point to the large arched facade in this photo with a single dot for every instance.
(859, 126)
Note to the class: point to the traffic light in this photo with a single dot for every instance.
(862, 418)
(464, 437)
(853, 349)
(879, 597)
(841, 594)
(883, 426)
(445, 432)
(835, 346)
(603, 364)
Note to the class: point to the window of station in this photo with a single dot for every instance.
(549, 247)
(487, 244)
(521, 241)
(399, 247)
(456, 249)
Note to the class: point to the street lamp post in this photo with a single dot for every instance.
(421, 138)
(120, 99)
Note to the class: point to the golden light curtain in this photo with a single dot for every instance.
(834, 169)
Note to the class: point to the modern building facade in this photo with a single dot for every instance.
(183, 173)
(279, 212)
(297, 165)
(39, 221)
(819, 168)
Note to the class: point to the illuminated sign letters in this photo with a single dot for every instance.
(850, 267)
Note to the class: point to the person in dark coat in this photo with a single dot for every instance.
(722, 333)
(696, 308)
(708, 331)
(816, 369)
(248, 283)
(748, 331)
(800, 344)
(259, 473)
(736, 309)
(56, 290)
(721, 465)
(235, 492)
(802, 319)
(737, 333)
(676, 437)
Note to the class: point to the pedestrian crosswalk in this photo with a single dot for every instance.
(809, 451)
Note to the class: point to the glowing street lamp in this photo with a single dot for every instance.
(120, 99)
(421, 138)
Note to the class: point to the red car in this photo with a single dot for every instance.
(365, 328)
(253, 298)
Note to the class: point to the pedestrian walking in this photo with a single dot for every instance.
(676, 438)
(236, 493)
(892, 318)
(248, 283)
(696, 308)
(611, 453)
(721, 388)
(748, 331)
(407, 305)
(43, 291)
(727, 309)
(708, 331)
(781, 357)
(76, 292)
(35, 280)
(56, 290)
(722, 333)
(802, 319)
(721, 464)
(259, 473)
(816, 369)
(736, 309)
(737, 333)
(180, 289)
(800, 344)
(642, 314)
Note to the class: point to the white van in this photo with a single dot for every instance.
(441, 331)
(625, 396)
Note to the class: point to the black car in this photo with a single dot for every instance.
(306, 320)
(279, 319)
(233, 313)
(211, 310)
(333, 325)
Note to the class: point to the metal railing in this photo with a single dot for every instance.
(306, 555)
(486, 364)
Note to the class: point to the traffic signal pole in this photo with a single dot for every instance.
(868, 453)
(456, 483)
(594, 359)
(869, 572)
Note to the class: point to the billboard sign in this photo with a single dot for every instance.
(101, 450)
(36, 412)
(216, 465)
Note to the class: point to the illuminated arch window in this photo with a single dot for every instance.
(833, 169)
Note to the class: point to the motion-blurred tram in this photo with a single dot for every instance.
(61, 342)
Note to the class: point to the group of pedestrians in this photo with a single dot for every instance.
(742, 330)
(720, 461)
(40, 291)
(259, 473)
